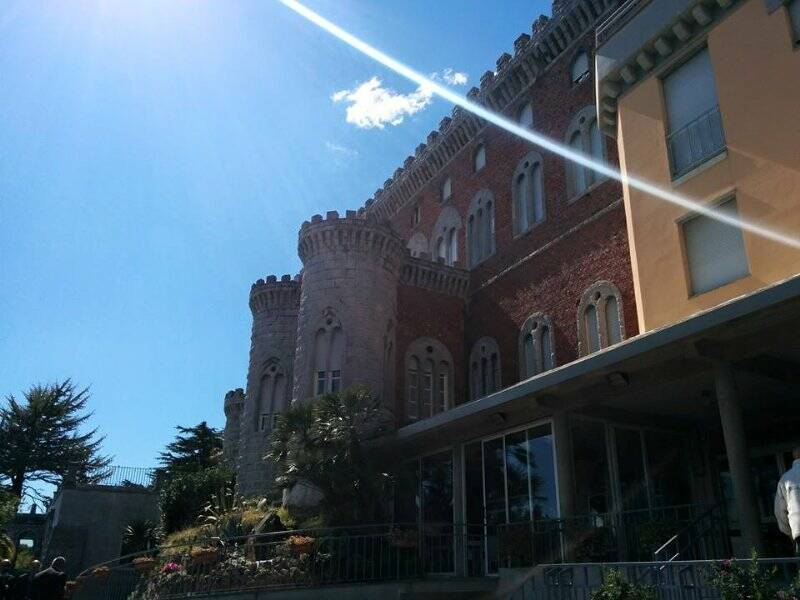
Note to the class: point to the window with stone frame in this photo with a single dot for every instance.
(579, 69)
(480, 158)
(528, 193)
(480, 228)
(445, 236)
(428, 379)
(484, 368)
(536, 346)
(328, 355)
(272, 394)
(447, 189)
(526, 116)
(418, 244)
(600, 318)
(583, 136)
(416, 215)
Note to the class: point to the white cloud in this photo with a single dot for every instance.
(339, 149)
(371, 105)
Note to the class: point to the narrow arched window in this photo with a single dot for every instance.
(447, 189)
(480, 228)
(536, 346)
(580, 67)
(480, 157)
(528, 193)
(328, 355)
(444, 243)
(429, 376)
(418, 244)
(584, 137)
(271, 395)
(600, 322)
(485, 370)
(526, 116)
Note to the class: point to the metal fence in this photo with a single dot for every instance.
(698, 141)
(116, 476)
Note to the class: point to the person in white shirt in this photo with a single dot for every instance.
(787, 502)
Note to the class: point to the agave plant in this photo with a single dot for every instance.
(139, 536)
(223, 516)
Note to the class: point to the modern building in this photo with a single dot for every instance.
(569, 369)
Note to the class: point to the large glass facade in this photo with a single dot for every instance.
(592, 480)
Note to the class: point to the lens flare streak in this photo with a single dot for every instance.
(536, 138)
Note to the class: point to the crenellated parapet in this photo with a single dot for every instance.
(275, 294)
(234, 409)
(357, 232)
(234, 401)
(500, 91)
(436, 276)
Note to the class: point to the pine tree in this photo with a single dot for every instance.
(194, 449)
(43, 438)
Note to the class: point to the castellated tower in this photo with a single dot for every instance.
(348, 304)
(234, 405)
(274, 304)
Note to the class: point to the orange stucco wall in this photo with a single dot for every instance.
(757, 73)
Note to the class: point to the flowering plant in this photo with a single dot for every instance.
(171, 567)
(737, 582)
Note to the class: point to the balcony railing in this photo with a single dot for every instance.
(695, 143)
(118, 477)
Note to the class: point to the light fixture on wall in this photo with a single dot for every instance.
(618, 379)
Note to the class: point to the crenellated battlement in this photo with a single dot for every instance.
(275, 294)
(500, 91)
(234, 401)
(436, 276)
(358, 231)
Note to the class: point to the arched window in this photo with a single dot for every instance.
(480, 227)
(416, 215)
(526, 116)
(583, 135)
(429, 377)
(480, 157)
(536, 346)
(447, 189)
(484, 368)
(580, 67)
(272, 394)
(445, 236)
(418, 244)
(328, 355)
(600, 322)
(528, 193)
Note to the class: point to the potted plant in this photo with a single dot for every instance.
(143, 563)
(301, 544)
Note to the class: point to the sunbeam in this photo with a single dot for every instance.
(536, 138)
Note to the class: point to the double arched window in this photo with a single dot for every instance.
(600, 321)
(272, 395)
(480, 227)
(484, 368)
(528, 193)
(583, 135)
(536, 346)
(429, 379)
(445, 236)
(328, 355)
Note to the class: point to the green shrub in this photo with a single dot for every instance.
(185, 494)
(615, 587)
(737, 582)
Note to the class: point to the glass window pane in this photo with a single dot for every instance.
(596, 147)
(427, 390)
(519, 508)
(547, 349)
(480, 158)
(521, 208)
(526, 116)
(578, 173)
(630, 464)
(689, 91)
(592, 486)
(538, 193)
(494, 481)
(473, 483)
(613, 328)
(412, 387)
(542, 473)
(592, 330)
(530, 355)
(437, 488)
(407, 493)
(580, 67)
(666, 466)
(714, 250)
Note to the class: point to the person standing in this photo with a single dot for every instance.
(787, 502)
(23, 585)
(49, 584)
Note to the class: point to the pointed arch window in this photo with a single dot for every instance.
(480, 228)
(444, 244)
(429, 377)
(528, 193)
(328, 356)
(536, 346)
(526, 116)
(480, 157)
(447, 189)
(272, 394)
(485, 374)
(579, 70)
(600, 322)
(583, 136)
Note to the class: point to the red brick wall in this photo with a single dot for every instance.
(553, 281)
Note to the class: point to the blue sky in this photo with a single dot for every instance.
(158, 156)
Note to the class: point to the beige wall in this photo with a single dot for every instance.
(757, 73)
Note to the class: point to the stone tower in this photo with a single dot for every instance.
(274, 304)
(348, 305)
(234, 405)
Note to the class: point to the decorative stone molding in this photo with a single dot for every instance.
(434, 276)
(498, 91)
(274, 294)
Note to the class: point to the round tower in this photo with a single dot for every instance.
(274, 304)
(348, 304)
(234, 405)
